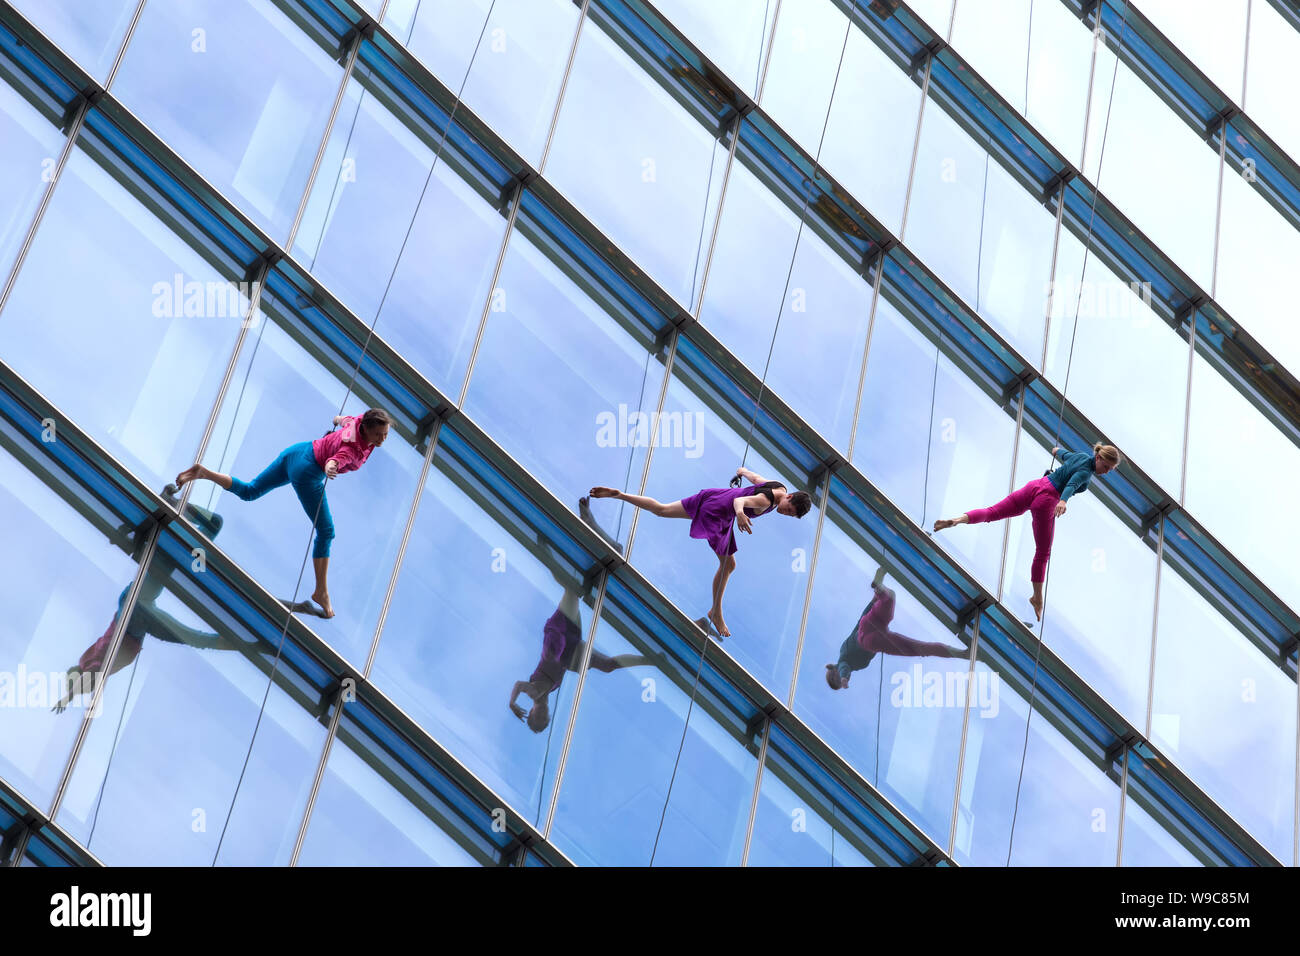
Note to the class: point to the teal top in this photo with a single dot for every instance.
(1075, 471)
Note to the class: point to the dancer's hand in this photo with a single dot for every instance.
(331, 469)
(1060, 508)
(742, 522)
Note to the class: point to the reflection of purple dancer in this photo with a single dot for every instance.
(713, 512)
(563, 647)
(872, 636)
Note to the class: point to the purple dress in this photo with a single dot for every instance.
(713, 518)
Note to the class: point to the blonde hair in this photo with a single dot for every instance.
(1109, 452)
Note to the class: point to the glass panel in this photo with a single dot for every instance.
(155, 778)
(154, 323)
(1225, 714)
(764, 595)
(372, 811)
(801, 71)
(508, 610)
(1258, 250)
(981, 232)
(1101, 585)
(32, 146)
(966, 458)
(1068, 810)
(1153, 167)
(1272, 76)
(1112, 353)
(625, 748)
(239, 91)
(937, 13)
(64, 587)
(1210, 33)
(90, 33)
(516, 74)
(1229, 438)
(795, 827)
(816, 360)
(1037, 57)
(635, 161)
(282, 399)
(564, 385)
(731, 33)
(872, 129)
(374, 178)
(890, 696)
(1147, 843)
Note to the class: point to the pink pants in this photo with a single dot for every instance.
(875, 636)
(1038, 497)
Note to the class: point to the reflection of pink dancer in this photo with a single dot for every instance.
(873, 636)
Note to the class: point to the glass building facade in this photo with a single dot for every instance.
(888, 253)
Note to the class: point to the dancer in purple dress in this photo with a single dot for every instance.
(714, 511)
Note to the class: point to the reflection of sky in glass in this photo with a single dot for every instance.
(31, 145)
(1146, 843)
(90, 33)
(142, 377)
(732, 33)
(1225, 714)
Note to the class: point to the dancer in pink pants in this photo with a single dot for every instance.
(1045, 499)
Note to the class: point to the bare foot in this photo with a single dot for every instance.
(323, 599)
(189, 474)
(1037, 605)
(716, 617)
(942, 523)
(601, 492)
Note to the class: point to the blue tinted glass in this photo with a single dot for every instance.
(1101, 584)
(764, 597)
(239, 91)
(64, 587)
(883, 682)
(154, 322)
(155, 778)
(732, 33)
(516, 73)
(281, 402)
(639, 164)
(566, 386)
(816, 358)
(1225, 714)
(792, 830)
(980, 231)
(965, 460)
(32, 145)
(462, 633)
(89, 32)
(1147, 843)
(625, 748)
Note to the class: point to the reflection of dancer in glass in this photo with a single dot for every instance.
(872, 636)
(1045, 498)
(306, 466)
(146, 619)
(563, 647)
(713, 512)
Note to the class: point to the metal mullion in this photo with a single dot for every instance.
(1011, 485)
(695, 308)
(330, 733)
(583, 669)
(758, 787)
(69, 143)
(517, 202)
(965, 725)
(654, 432)
(916, 146)
(1123, 797)
(325, 139)
(564, 86)
(401, 548)
(126, 41)
(1155, 628)
(767, 54)
(808, 591)
(101, 681)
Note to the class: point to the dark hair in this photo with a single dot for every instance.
(374, 418)
(802, 502)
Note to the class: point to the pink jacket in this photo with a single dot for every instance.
(344, 445)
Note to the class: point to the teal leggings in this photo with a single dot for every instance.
(296, 466)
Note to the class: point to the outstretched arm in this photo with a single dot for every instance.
(753, 476)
